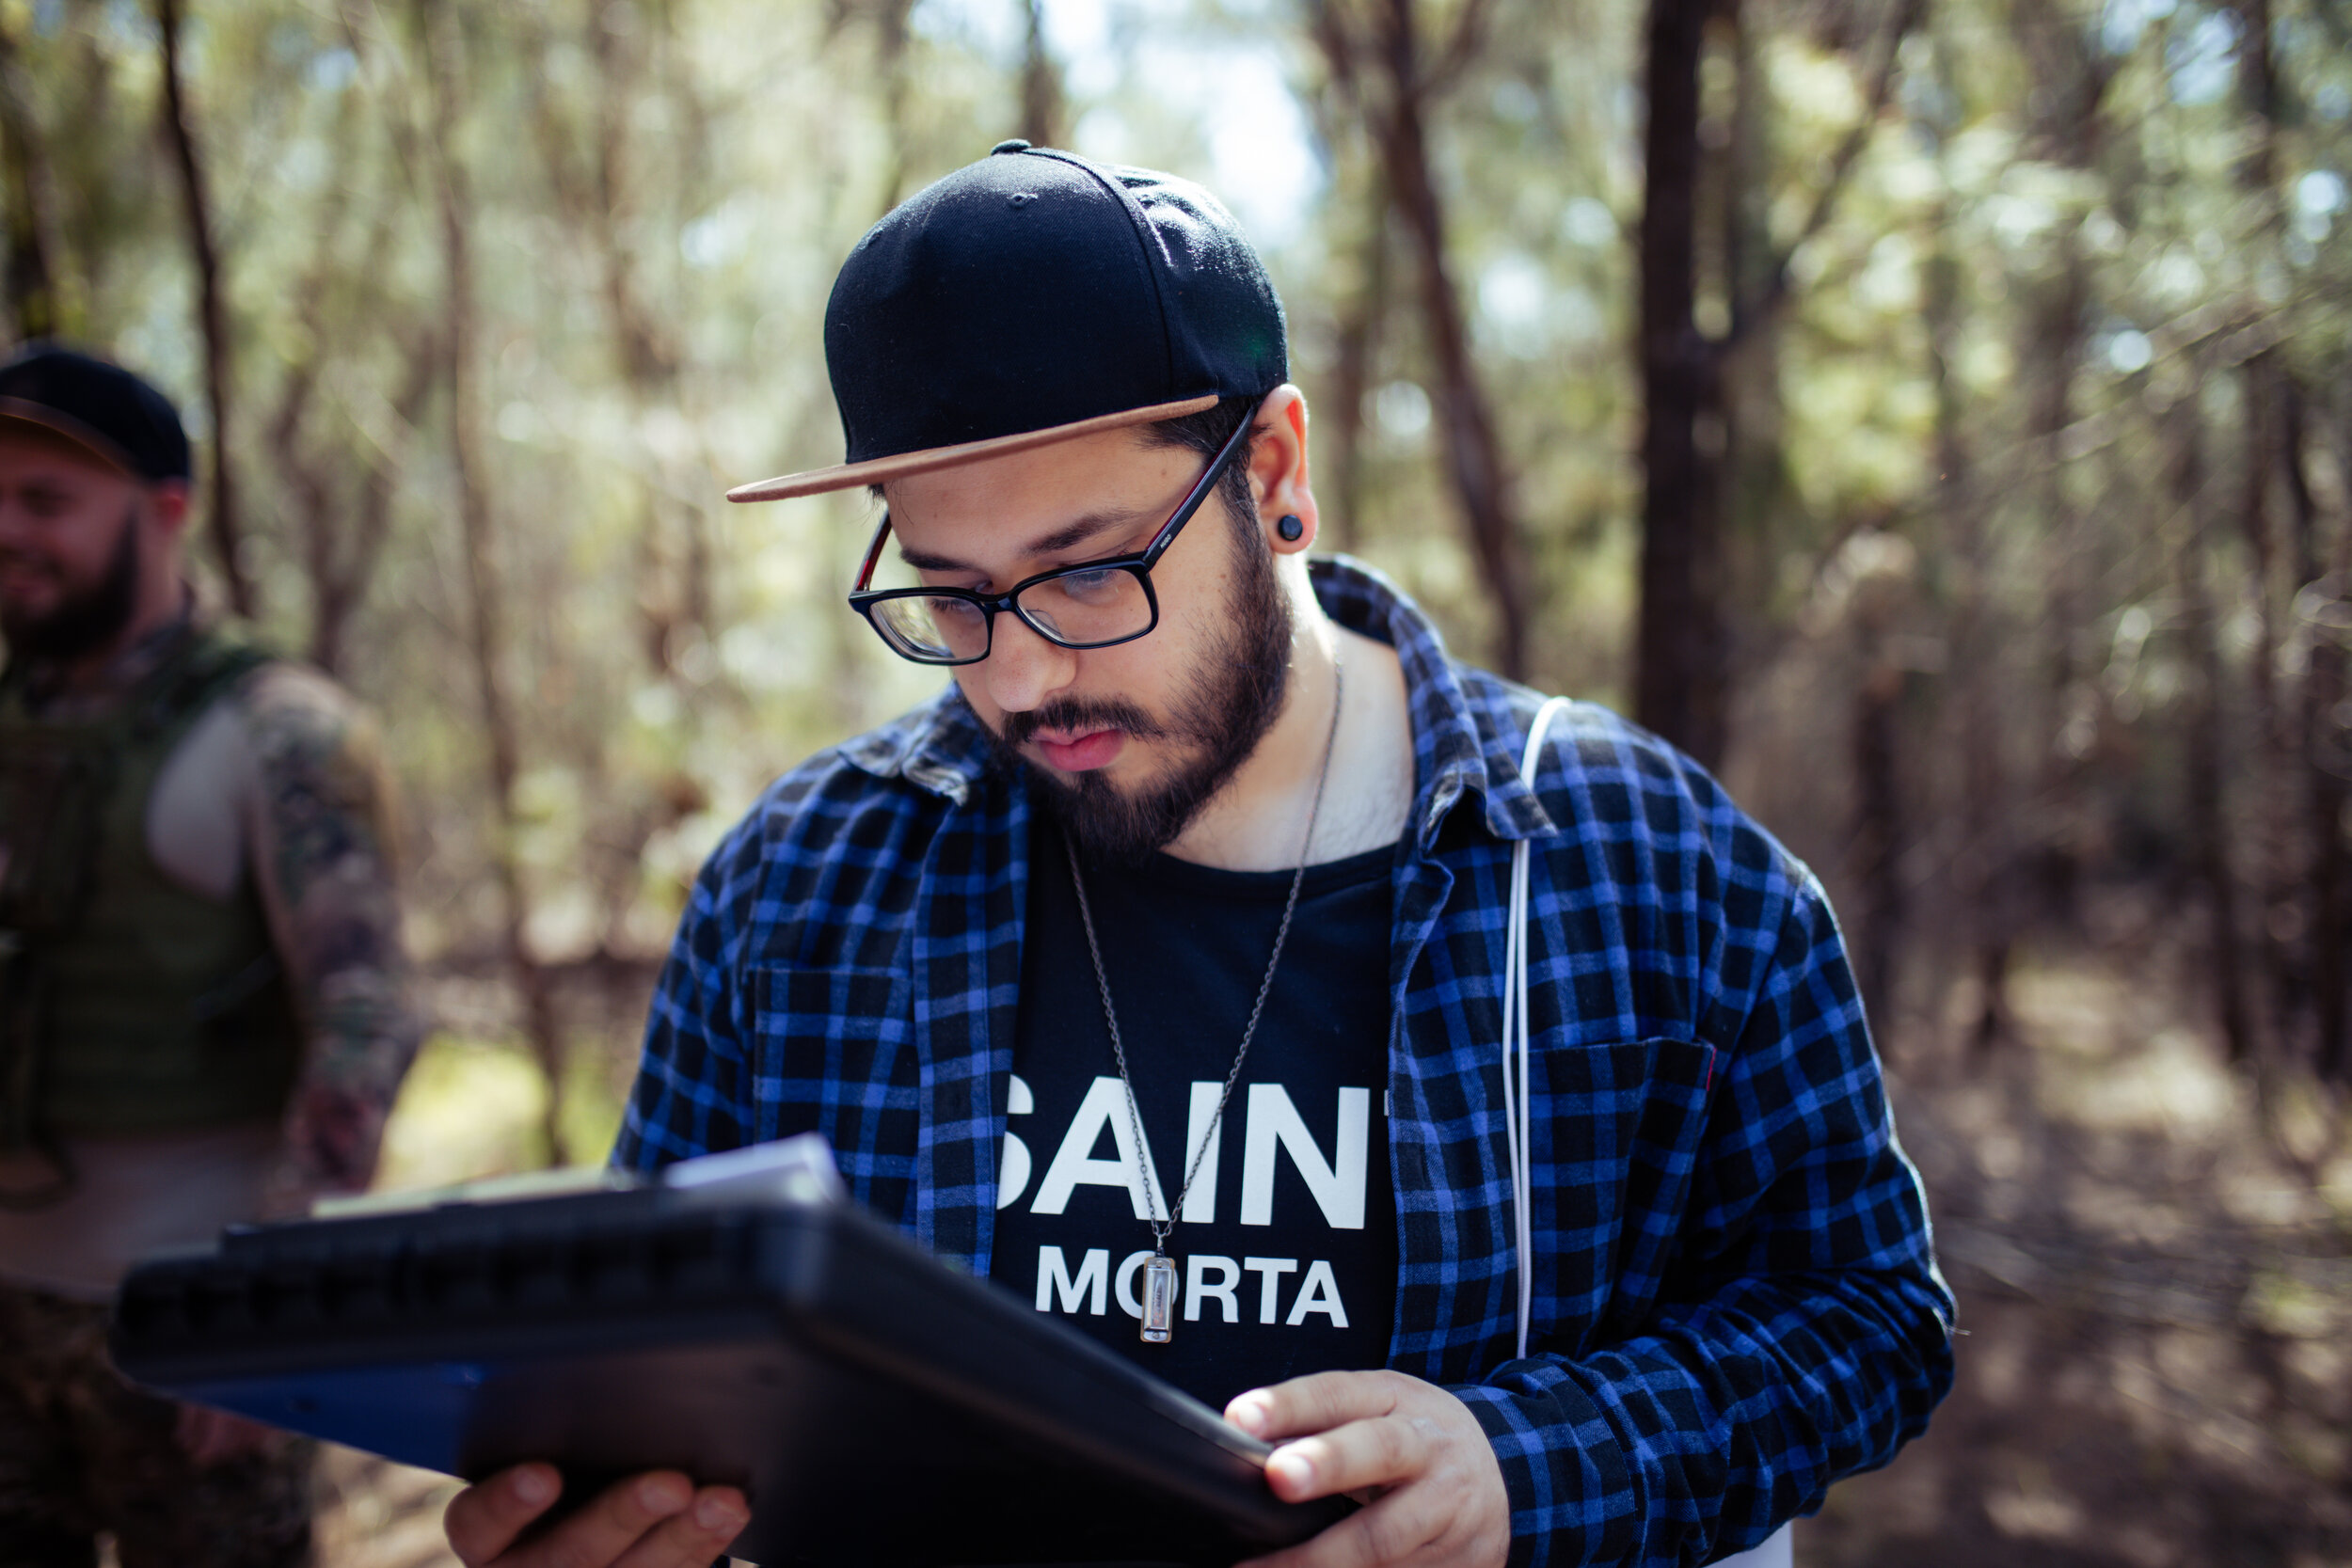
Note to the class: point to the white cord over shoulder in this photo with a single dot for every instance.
(1518, 1123)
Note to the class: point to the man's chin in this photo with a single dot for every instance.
(72, 622)
(1105, 823)
(21, 626)
(1117, 818)
(26, 610)
(55, 635)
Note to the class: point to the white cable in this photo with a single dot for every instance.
(1518, 1121)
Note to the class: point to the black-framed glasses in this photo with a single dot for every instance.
(1094, 604)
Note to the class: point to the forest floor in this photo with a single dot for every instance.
(2154, 1262)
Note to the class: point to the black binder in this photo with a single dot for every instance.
(877, 1406)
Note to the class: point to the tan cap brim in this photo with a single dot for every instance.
(43, 416)
(881, 470)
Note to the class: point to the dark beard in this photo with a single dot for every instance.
(1226, 708)
(83, 623)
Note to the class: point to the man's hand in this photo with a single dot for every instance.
(1409, 1450)
(658, 1520)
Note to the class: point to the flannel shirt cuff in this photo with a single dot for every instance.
(1572, 1494)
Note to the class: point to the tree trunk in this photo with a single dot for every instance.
(316, 512)
(672, 594)
(1683, 643)
(345, 522)
(2206, 743)
(1978, 803)
(486, 589)
(344, 537)
(2069, 85)
(34, 258)
(1878, 823)
(647, 356)
(1473, 454)
(2326, 603)
(1363, 309)
(891, 19)
(1041, 83)
(211, 311)
(2056, 329)
(2272, 850)
(1756, 503)
(599, 195)
(2268, 802)
(1680, 641)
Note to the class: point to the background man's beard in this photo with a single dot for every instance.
(1231, 699)
(84, 622)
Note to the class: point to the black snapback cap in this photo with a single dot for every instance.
(1032, 297)
(99, 405)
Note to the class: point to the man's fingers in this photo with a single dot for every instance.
(1437, 1495)
(656, 1520)
(603, 1532)
(1382, 1451)
(1314, 1403)
(484, 1519)
(1390, 1531)
(695, 1535)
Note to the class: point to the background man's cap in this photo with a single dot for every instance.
(116, 415)
(1031, 298)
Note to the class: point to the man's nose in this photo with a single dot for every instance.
(1022, 668)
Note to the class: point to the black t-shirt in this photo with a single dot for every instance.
(1286, 1249)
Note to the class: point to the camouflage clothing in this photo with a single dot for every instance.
(82, 1451)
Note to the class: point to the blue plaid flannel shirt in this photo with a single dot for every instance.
(1736, 1302)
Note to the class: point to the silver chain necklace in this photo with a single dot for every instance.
(1159, 1274)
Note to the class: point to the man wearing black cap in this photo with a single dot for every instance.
(204, 1004)
(1450, 1085)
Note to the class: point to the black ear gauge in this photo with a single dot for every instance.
(1290, 528)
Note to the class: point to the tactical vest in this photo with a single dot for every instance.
(127, 1003)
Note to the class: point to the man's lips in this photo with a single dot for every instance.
(1079, 750)
(17, 581)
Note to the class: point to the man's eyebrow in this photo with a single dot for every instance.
(1069, 536)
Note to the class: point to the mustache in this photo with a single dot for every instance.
(1081, 714)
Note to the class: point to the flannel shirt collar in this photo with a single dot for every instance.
(1459, 746)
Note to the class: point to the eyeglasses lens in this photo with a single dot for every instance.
(932, 629)
(1086, 609)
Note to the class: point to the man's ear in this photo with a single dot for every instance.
(1279, 472)
(168, 505)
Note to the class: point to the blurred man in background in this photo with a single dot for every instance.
(204, 1007)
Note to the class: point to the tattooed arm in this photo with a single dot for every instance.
(320, 828)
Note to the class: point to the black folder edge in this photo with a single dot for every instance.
(915, 1321)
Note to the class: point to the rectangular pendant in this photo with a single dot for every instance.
(1159, 1300)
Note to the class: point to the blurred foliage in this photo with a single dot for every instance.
(470, 1109)
(1983, 626)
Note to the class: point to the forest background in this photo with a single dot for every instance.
(1932, 414)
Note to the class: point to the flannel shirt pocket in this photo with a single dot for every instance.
(831, 1053)
(1627, 1119)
